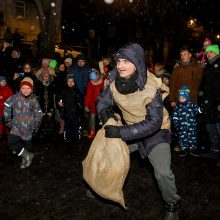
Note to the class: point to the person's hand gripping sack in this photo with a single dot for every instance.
(105, 114)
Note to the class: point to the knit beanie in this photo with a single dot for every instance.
(207, 41)
(46, 61)
(184, 92)
(27, 81)
(69, 76)
(166, 75)
(81, 57)
(53, 64)
(2, 78)
(68, 60)
(214, 48)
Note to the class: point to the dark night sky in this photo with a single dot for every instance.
(163, 16)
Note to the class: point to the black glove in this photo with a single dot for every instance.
(105, 114)
(112, 131)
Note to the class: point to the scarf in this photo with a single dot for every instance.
(126, 86)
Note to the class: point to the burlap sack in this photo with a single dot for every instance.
(106, 165)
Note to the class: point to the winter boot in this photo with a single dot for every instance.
(172, 211)
(23, 161)
(26, 158)
(92, 134)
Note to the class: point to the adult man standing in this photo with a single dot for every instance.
(80, 73)
(185, 73)
(137, 94)
(211, 91)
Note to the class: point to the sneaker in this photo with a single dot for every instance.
(194, 152)
(183, 153)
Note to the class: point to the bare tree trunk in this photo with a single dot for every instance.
(50, 23)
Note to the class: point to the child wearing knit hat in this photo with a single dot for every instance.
(184, 120)
(23, 116)
(201, 56)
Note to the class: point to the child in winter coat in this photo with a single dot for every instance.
(94, 87)
(5, 93)
(184, 120)
(23, 116)
(68, 100)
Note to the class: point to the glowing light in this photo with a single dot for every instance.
(108, 1)
(52, 4)
(218, 36)
(54, 13)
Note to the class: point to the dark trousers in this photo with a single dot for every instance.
(71, 129)
(16, 144)
(214, 134)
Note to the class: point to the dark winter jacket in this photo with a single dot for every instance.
(81, 77)
(70, 99)
(141, 110)
(184, 116)
(211, 90)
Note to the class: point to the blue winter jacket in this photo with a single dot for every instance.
(24, 113)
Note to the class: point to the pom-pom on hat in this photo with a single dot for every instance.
(184, 92)
(2, 78)
(27, 81)
(214, 48)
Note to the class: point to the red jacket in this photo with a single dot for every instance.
(92, 92)
(5, 93)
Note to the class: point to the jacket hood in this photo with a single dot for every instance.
(134, 53)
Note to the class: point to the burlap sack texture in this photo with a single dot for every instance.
(106, 165)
